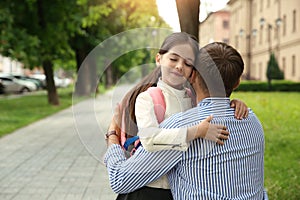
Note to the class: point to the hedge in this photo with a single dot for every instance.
(286, 86)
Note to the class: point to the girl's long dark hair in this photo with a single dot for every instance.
(128, 102)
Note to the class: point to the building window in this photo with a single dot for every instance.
(253, 70)
(236, 41)
(260, 71)
(254, 9)
(284, 25)
(268, 33)
(294, 20)
(283, 65)
(225, 24)
(253, 41)
(268, 3)
(261, 5)
(260, 34)
(293, 65)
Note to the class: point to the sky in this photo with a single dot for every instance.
(168, 11)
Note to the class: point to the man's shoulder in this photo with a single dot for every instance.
(252, 114)
(182, 119)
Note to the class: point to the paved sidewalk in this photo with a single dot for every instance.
(58, 157)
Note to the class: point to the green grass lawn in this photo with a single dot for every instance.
(18, 111)
(279, 113)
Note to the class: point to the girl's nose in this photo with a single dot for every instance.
(179, 66)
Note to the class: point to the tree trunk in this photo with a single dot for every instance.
(93, 75)
(269, 84)
(80, 56)
(47, 63)
(82, 87)
(51, 89)
(109, 76)
(188, 13)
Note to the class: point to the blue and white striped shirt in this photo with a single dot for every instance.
(206, 170)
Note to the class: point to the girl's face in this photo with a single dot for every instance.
(176, 65)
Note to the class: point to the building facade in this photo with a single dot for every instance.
(261, 27)
(10, 66)
(257, 29)
(215, 28)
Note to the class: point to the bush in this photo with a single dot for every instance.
(273, 71)
(287, 86)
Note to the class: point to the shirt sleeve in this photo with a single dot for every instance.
(127, 175)
(151, 136)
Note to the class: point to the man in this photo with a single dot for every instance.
(206, 170)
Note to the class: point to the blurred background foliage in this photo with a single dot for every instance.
(63, 32)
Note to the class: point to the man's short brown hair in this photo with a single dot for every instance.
(220, 67)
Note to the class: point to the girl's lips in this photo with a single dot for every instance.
(177, 74)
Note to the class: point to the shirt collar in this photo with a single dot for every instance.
(222, 102)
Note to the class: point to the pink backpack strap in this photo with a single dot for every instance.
(159, 103)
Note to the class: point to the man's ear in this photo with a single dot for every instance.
(237, 84)
(193, 76)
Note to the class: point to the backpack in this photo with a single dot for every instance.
(130, 144)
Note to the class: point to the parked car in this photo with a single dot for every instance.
(59, 82)
(37, 82)
(12, 85)
(1, 87)
(41, 78)
(28, 84)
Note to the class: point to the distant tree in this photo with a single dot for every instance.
(15, 41)
(273, 71)
(188, 13)
(37, 33)
(103, 19)
(46, 33)
(127, 15)
(91, 30)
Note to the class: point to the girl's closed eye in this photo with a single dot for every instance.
(189, 64)
(173, 59)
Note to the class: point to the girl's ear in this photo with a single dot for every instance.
(157, 59)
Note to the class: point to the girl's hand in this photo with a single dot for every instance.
(241, 109)
(214, 132)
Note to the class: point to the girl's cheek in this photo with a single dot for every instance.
(188, 72)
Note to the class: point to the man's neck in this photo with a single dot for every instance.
(200, 95)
